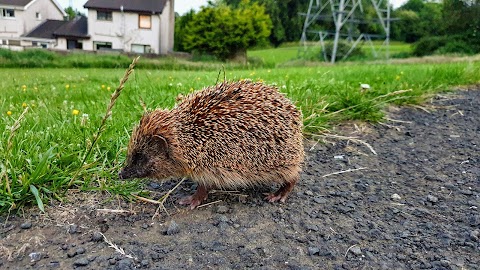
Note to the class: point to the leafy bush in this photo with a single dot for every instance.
(459, 46)
(443, 45)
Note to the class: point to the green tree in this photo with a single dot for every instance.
(227, 33)
(418, 18)
(181, 23)
(72, 13)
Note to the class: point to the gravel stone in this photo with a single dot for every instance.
(356, 250)
(432, 199)
(97, 237)
(173, 228)
(81, 262)
(125, 264)
(26, 225)
(80, 250)
(313, 251)
(222, 209)
(72, 229)
(35, 256)
(395, 197)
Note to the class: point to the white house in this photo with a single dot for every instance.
(18, 17)
(140, 26)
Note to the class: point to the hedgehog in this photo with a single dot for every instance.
(228, 136)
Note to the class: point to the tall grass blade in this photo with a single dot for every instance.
(35, 193)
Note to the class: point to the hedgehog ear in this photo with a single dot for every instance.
(162, 143)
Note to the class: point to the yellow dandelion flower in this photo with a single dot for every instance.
(35, 88)
(401, 72)
(397, 77)
(75, 112)
(24, 86)
(108, 88)
(24, 105)
(103, 86)
(9, 113)
(67, 86)
(269, 71)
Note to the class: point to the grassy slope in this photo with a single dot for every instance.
(50, 143)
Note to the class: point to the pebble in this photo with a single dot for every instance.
(475, 235)
(356, 250)
(395, 197)
(97, 236)
(80, 250)
(81, 262)
(222, 209)
(35, 256)
(26, 225)
(173, 228)
(125, 264)
(72, 229)
(320, 200)
(71, 253)
(144, 263)
(313, 251)
(308, 192)
(54, 264)
(432, 199)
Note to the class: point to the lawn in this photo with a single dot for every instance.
(283, 55)
(62, 110)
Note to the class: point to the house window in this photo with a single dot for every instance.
(99, 46)
(38, 15)
(104, 15)
(144, 21)
(7, 13)
(138, 48)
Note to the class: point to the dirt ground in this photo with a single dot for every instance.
(412, 205)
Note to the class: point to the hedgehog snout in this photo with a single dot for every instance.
(129, 173)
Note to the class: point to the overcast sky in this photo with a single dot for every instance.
(181, 6)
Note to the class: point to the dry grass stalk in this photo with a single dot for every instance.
(6, 253)
(107, 115)
(13, 129)
(345, 171)
(349, 250)
(352, 139)
(117, 248)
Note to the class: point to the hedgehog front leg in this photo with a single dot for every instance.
(282, 193)
(196, 199)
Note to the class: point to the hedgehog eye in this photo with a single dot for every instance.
(139, 158)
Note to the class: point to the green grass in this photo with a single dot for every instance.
(273, 57)
(65, 107)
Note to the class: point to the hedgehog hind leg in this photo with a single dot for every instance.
(282, 193)
(197, 198)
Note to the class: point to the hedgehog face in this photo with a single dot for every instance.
(148, 158)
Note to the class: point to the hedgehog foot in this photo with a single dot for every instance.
(195, 199)
(281, 194)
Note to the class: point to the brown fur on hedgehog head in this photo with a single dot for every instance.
(149, 153)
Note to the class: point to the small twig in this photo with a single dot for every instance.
(398, 121)
(210, 203)
(349, 250)
(345, 171)
(117, 211)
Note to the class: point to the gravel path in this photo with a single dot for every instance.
(413, 205)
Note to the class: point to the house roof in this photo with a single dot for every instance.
(20, 3)
(51, 29)
(25, 3)
(77, 27)
(138, 6)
